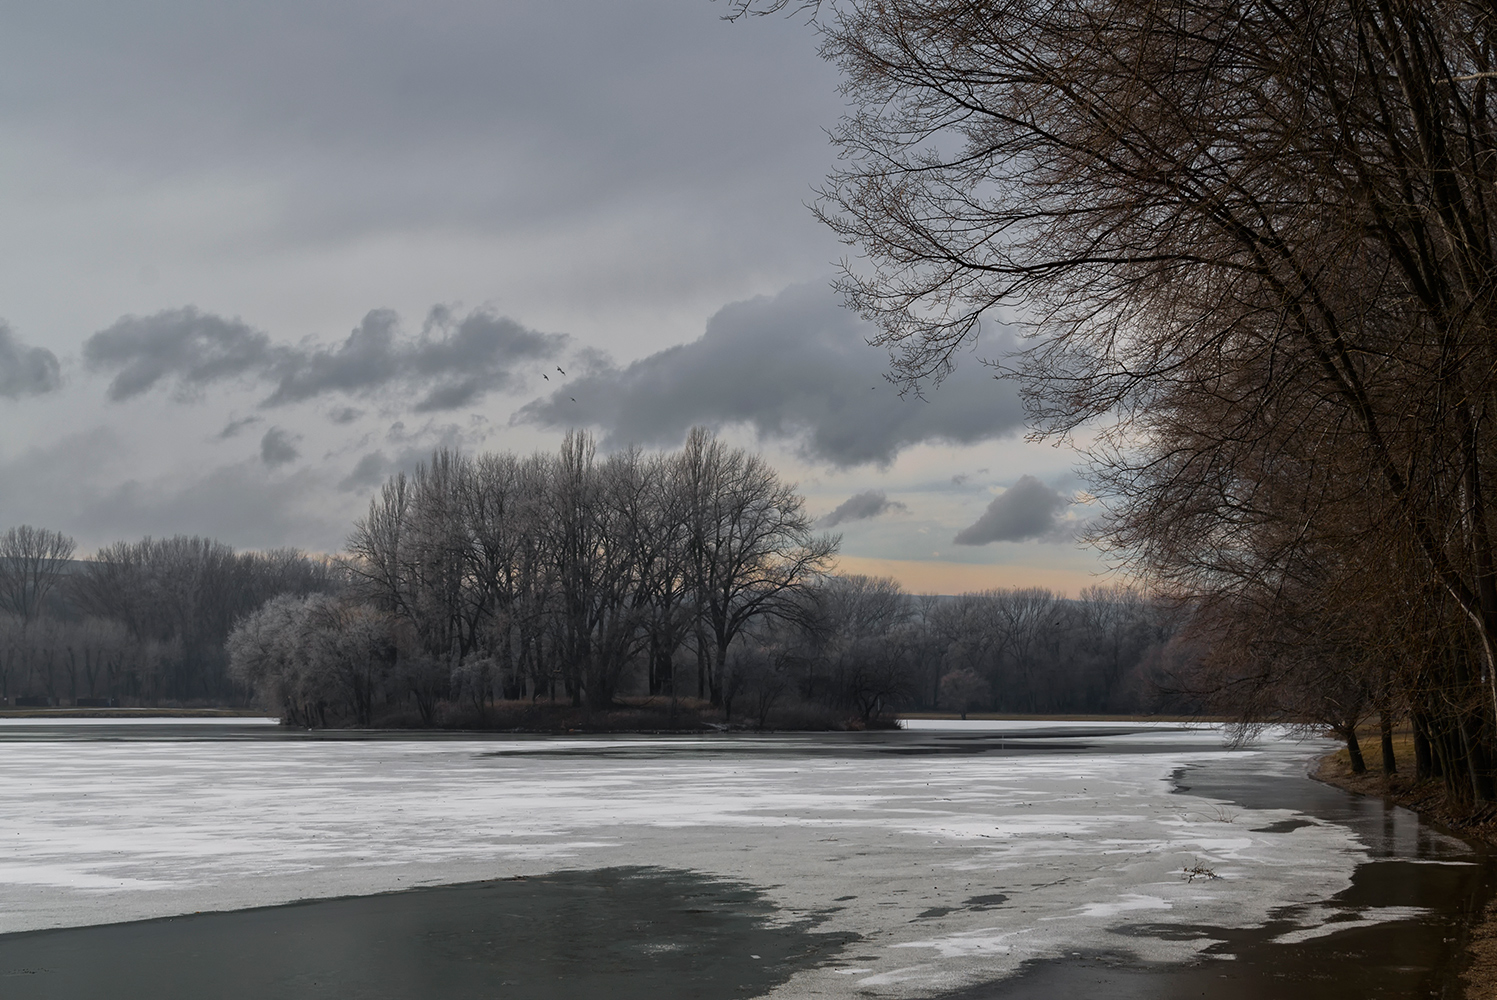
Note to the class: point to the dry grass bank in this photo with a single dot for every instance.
(1427, 798)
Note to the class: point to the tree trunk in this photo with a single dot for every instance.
(667, 671)
(1358, 765)
(716, 674)
(1423, 759)
(1478, 761)
(701, 666)
(599, 683)
(1385, 727)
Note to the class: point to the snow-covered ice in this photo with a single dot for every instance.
(953, 867)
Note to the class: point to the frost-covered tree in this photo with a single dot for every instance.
(313, 658)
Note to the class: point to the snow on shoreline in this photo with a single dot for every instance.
(953, 867)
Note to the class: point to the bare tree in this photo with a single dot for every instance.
(32, 561)
(752, 548)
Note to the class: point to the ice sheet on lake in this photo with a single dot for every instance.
(953, 868)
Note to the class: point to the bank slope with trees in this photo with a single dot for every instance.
(1256, 246)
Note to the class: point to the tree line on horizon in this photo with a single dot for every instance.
(561, 577)
(136, 623)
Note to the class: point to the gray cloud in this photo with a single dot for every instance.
(233, 427)
(796, 365)
(1026, 510)
(345, 414)
(237, 504)
(26, 371)
(278, 447)
(411, 448)
(192, 348)
(368, 472)
(454, 361)
(515, 103)
(89, 486)
(860, 507)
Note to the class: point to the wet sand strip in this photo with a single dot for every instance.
(620, 933)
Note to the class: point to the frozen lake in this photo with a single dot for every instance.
(984, 856)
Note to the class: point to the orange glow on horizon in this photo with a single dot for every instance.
(929, 576)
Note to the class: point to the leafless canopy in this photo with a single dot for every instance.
(1254, 241)
(32, 560)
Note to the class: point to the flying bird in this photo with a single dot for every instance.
(558, 368)
(572, 398)
(545, 376)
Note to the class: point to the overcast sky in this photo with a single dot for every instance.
(260, 255)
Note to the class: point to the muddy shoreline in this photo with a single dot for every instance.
(1427, 799)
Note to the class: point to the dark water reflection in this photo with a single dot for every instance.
(631, 934)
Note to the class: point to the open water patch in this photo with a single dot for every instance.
(625, 933)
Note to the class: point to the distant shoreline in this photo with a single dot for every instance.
(561, 719)
(132, 713)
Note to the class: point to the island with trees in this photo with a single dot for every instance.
(564, 590)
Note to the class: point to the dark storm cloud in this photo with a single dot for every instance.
(278, 447)
(1025, 511)
(860, 507)
(794, 366)
(453, 362)
(26, 371)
